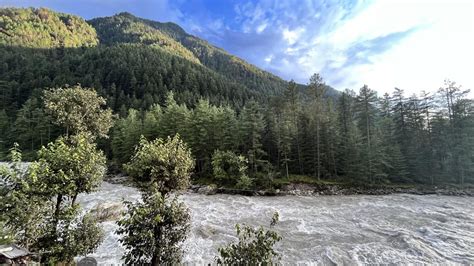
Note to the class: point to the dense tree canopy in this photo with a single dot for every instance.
(166, 163)
(79, 111)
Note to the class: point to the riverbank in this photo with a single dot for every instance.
(325, 188)
(304, 186)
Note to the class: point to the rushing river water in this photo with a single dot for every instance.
(324, 230)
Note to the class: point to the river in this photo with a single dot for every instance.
(323, 230)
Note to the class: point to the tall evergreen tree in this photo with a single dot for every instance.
(317, 89)
(366, 114)
(252, 125)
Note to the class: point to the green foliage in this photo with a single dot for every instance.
(167, 164)
(43, 28)
(33, 127)
(255, 246)
(295, 129)
(69, 166)
(153, 231)
(252, 125)
(210, 127)
(68, 236)
(5, 234)
(87, 236)
(126, 135)
(79, 110)
(231, 169)
(65, 168)
(30, 192)
(21, 206)
(125, 28)
(4, 124)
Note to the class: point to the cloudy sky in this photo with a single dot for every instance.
(410, 44)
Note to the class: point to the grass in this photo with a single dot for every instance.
(203, 180)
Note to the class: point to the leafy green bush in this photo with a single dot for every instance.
(255, 246)
(154, 230)
(231, 169)
(168, 164)
(79, 110)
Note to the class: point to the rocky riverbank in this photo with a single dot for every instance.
(301, 189)
(304, 189)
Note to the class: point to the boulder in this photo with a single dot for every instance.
(108, 211)
(207, 190)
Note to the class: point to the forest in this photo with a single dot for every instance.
(157, 86)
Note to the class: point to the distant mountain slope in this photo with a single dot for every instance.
(43, 28)
(126, 28)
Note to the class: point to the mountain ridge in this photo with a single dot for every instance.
(207, 54)
(130, 60)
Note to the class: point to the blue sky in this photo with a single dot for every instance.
(410, 44)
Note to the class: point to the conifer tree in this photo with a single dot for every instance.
(252, 125)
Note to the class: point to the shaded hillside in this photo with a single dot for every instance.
(125, 27)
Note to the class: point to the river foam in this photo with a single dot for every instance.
(323, 230)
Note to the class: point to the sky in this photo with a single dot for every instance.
(410, 44)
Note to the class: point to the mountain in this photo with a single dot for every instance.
(131, 61)
(126, 28)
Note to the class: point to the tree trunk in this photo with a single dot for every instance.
(155, 260)
(58, 206)
(74, 199)
(369, 156)
(298, 149)
(318, 151)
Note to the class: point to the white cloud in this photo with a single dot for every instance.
(262, 27)
(269, 58)
(438, 46)
(441, 48)
(292, 36)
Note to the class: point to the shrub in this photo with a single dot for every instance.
(154, 230)
(231, 169)
(168, 164)
(255, 246)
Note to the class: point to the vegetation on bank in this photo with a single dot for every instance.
(358, 138)
(38, 204)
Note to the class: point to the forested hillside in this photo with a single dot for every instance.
(230, 113)
(130, 63)
(42, 28)
(126, 28)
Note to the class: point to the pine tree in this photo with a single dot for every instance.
(4, 124)
(317, 89)
(366, 114)
(252, 125)
(293, 108)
